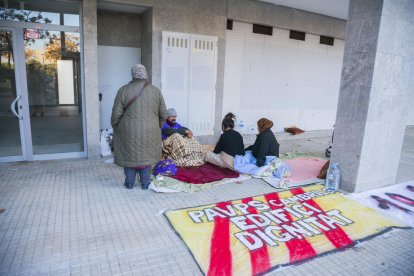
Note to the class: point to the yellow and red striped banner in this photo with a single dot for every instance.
(254, 235)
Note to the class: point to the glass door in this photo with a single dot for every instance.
(41, 113)
(53, 83)
(11, 101)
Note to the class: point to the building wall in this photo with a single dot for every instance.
(291, 82)
(285, 18)
(146, 51)
(209, 18)
(90, 61)
(196, 17)
(119, 29)
(410, 115)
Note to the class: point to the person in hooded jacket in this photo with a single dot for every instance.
(137, 116)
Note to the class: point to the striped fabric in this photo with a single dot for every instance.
(255, 235)
(185, 152)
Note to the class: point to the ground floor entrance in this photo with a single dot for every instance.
(41, 114)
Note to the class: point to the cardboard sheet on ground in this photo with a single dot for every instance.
(396, 201)
(254, 235)
(304, 169)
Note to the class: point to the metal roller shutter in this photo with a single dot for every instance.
(289, 81)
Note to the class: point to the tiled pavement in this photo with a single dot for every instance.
(74, 217)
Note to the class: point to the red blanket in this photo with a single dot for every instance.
(203, 174)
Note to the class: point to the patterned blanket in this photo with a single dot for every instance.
(185, 152)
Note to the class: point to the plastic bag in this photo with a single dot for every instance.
(105, 147)
(165, 167)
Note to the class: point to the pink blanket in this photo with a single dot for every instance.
(304, 168)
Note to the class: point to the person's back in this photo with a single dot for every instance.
(269, 142)
(231, 142)
(137, 128)
(228, 146)
(265, 144)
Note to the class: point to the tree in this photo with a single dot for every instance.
(54, 49)
(29, 53)
(22, 16)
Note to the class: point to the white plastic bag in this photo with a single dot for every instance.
(105, 148)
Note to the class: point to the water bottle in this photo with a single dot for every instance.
(241, 126)
(252, 129)
(333, 178)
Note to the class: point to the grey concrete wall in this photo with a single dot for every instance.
(410, 114)
(198, 20)
(209, 18)
(90, 60)
(197, 17)
(377, 80)
(285, 18)
(119, 29)
(146, 50)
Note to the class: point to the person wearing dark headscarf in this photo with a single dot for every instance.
(228, 146)
(137, 116)
(265, 144)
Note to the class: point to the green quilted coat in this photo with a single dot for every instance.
(137, 131)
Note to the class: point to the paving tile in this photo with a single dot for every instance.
(81, 221)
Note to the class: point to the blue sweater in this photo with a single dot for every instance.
(168, 130)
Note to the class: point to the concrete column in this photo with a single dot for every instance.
(146, 52)
(377, 80)
(90, 60)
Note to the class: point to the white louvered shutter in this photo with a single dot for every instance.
(202, 84)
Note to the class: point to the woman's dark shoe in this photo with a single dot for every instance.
(128, 186)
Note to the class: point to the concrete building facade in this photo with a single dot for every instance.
(376, 35)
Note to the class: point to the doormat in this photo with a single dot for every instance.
(396, 201)
(255, 235)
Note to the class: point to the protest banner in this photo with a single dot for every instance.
(254, 235)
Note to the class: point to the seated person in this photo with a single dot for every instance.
(265, 144)
(179, 145)
(171, 126)
(229, 145)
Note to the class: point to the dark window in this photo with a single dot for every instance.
(326, 40)
(297, 35)
(229, 24)
(261, 29)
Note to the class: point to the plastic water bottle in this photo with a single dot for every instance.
(241, 126)
(333, 177)
(252, 129)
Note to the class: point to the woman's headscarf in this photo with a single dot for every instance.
(138, 71)
(264, 124)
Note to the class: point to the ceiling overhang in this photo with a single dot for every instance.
(332, 8)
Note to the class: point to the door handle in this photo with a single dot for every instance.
(13, 107)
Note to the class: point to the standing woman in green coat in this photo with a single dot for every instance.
(137, 116)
